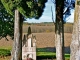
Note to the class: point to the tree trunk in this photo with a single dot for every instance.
(59, 40)
(75, 43)
(59, 31)
(17, 44)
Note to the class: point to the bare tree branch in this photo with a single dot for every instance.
(53, 1)
(52, 15)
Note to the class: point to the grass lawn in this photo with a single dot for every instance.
(41, 53)
(45, 53)
(51, 55)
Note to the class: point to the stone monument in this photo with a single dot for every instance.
(29, 46)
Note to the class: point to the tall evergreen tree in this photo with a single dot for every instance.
(59, 30)
(27, 8)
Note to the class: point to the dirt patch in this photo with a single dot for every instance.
(48, 39)
(5, 58)
(42, 40)
(5, 43)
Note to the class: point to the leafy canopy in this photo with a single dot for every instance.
(28, 8)
(6, 23)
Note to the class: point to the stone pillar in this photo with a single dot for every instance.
(34, 41)
(29, 42)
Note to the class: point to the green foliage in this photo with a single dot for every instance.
(29, 4)
(6, 23)
(5, 52)
(28, 8)
(6, 29)
(8, 5)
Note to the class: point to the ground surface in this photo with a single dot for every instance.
(43, 40)
(5, 58)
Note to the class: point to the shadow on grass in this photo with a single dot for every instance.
(53, 49)
(50, 53)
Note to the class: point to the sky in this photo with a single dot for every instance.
(47, 14)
